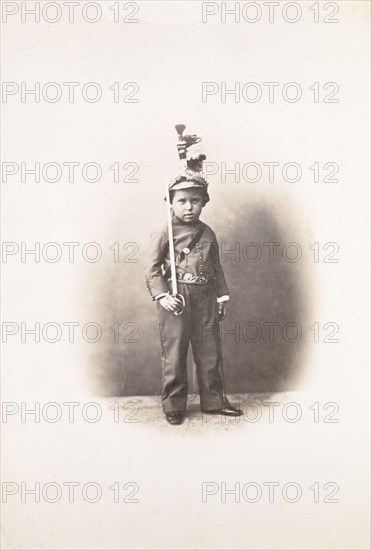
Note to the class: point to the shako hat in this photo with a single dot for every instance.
(191, 157)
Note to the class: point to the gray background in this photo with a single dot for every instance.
(261, 292)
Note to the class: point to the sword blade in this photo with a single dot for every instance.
(171, 243)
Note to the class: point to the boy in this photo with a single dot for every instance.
(201, 282)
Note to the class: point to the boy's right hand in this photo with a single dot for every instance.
(170, 303)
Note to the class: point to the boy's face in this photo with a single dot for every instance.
(187, 204)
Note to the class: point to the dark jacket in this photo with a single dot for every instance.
(202, 262)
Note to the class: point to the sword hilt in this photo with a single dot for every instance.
(180, 299)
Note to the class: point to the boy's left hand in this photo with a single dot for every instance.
(222, 311)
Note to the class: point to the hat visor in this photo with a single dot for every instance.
(186, 185)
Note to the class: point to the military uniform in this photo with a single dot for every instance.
(201, 281)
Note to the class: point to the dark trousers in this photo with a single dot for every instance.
(198, 325)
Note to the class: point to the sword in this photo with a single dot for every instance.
(174, 284)
(220, 363)
(183, 142)
(182, 150)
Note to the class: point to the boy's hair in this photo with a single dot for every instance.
(204, 194)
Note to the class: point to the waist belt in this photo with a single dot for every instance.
(192, 279)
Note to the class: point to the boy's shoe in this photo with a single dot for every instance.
(228, 410)
(174, 417)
